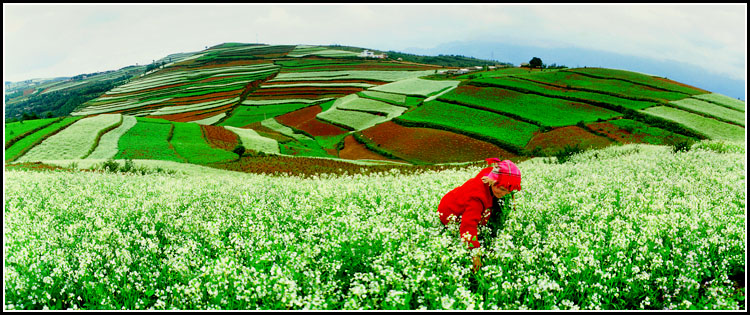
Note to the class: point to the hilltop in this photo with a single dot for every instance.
(344, 104)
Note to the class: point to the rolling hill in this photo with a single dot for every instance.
(329, 103)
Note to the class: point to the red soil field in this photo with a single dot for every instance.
(555, 140)
(353, 150)
(306, 90)
(304, 119)
(195, 115)
(205, 97)
(431, 145)
(29, 91)
(616, 132)
(230, 63)
(485, 92)
(219, 137)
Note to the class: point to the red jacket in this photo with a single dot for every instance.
(470, 204)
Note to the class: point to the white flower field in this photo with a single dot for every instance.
(626, 227)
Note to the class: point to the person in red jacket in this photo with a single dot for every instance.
(472, 203)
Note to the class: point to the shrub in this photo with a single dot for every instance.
(681, 146)
(239, 150)
(566, 153)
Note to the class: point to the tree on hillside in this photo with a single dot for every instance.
(535, 62)
(239, 150)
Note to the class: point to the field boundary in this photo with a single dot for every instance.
(38, 141)
(25, 134)
(625, 80)
(99, 137)
(480, 107)
(646, 99)
(502, 144)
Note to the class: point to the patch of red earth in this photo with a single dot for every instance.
(353, 150)
(205, 97)
(220, 137)
(28, 91)
(326, 81)
(192, 116)
(304, 119)
(697, 90)
(485, 92)
(284, 97)
(431, 145)
(616, 132)
(555, 140)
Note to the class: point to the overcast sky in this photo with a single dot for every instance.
(41, 41)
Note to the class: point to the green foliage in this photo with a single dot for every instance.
(148, 139)
(24, 144)
(532, 108)
(244, 115)
(566, 153)
(682, 146)
(484, 125)
(16, 130)
(444, 60)
(535, 62)
(188, 142)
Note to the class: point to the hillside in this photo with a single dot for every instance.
(329, 102)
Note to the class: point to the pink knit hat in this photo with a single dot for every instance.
(505, 173)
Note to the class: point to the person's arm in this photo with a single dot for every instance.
(470, 221)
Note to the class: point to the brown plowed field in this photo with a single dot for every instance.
(304, 119)
(431, 145)
(195, 115)
(353, 150)
(556, 139)
(220, 137)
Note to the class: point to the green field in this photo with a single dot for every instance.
(618, 87)
(188, 142)
(148, 139)
(649, 134)
(416, 87)
(246, 114)
(524, 86)
(637, 78)
(710, 109)
(712, 128)
(28, 142)
(723, 100)
(472, 122)
(75, 141)
(107, 147)
(16, 129)
(251, 140)
(542, 110)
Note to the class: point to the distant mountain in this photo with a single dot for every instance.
(579, 57)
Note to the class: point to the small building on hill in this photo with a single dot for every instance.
(369, 54)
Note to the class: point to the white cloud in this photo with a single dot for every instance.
(56, 40)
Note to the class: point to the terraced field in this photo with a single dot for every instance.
(428, 146)
(476, 123)
(188, 142)
(148, 140)
(631, 131)
(416, 87)
(712, 128)
(722, 100)
(712, 110)
(529, 87)
(634, 77)
(16, 130)
(555, 140)
(21, 146)
(305, 119)
(76, 141)
(355, 113)
(540, 110)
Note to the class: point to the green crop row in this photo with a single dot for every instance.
(722, 100)
(506, 132)
(545, 111)
(149, 140)
(416, 87)
(712, 128)
(23, 145)
(709, 109)
(524, 86)
(635, 77)
(75, 141)
(189, 143)
(649, 134)
(245, 114)
(614, 87)
(107, 147)
(16, 130)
